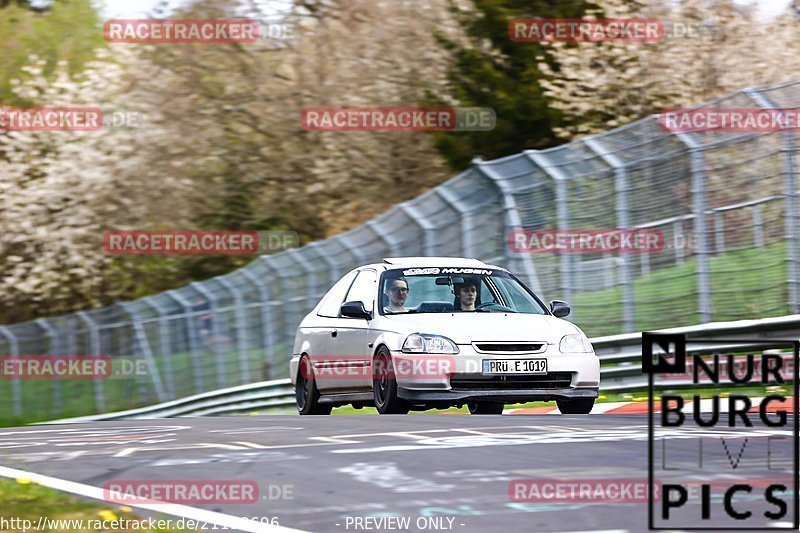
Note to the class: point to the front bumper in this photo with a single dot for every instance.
(504, 395)
(569, 376)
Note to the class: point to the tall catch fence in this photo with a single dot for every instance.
(726, 204)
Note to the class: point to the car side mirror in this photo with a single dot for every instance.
(355, 310)
(559, 309)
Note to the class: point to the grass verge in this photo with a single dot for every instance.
(23, 500)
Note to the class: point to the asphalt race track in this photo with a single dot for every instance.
(318, 473)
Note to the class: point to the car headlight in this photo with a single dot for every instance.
(575, 343)
(424, 343)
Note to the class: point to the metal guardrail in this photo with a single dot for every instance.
(262, 395)
(622, 351)
(625, 352)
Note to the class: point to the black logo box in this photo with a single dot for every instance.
(677, 365)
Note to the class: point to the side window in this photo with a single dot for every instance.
(335, 298)
(363, 289)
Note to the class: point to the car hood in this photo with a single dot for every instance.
(464, 328)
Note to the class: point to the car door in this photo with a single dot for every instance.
(324, 330)
(349, 342)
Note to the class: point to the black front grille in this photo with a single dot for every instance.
(517, 347)
(551, 380)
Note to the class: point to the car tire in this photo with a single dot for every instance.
(582, 406)
(485, 408)
(384, 386)
(306, 392)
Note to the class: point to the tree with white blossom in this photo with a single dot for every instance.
(62, 189)
(710, 49)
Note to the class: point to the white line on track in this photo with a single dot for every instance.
(184, 511)
(598, 531)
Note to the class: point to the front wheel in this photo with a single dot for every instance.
(581, 406)
(384, 386)
(306, 392)
(485, 408)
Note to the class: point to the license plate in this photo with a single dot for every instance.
(515, 366)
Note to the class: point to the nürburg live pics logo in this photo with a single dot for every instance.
(722, 432)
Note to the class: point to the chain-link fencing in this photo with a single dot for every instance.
(726, 205)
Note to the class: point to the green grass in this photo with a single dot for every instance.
(610, 397)
(39, 396)
(745, 284)
(21, 499)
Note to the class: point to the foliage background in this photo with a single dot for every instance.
(221, 147)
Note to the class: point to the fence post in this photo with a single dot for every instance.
(16, 385)
(94, 342)
(68, 338)
(53, 349)
(426, 226)
(188, 316)
(140, 338)
(790, 224)
(266, 323)
(698, 173)
(467, 232)
(241, 327)
(562, 216)
(164, 343)
(623, 222)
(788, 144)
(391, 242)
(677, 231)
(334, 272)
(512, 220)
(354, 250)
(287, 335)
(311, 276)
(214, 308)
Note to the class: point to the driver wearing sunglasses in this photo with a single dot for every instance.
(397, 292)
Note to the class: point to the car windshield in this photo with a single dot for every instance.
(455, 290)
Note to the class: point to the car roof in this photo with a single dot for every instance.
(428, 261)
(406, 262)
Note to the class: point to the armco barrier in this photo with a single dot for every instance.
(624, 352)
(244, 398)
(620, 357)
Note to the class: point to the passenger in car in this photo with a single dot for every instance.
(466, 294)
(397, 292)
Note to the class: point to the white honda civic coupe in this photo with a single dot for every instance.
(417, 333)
